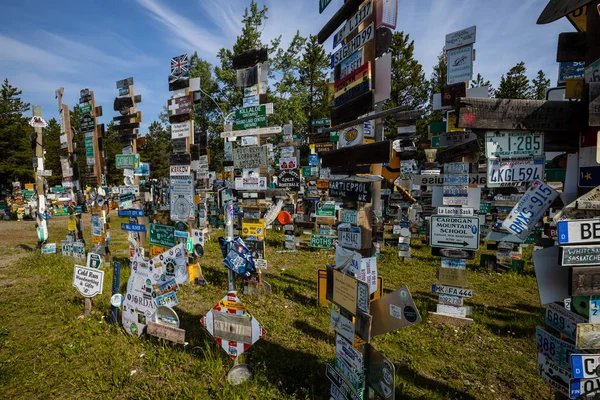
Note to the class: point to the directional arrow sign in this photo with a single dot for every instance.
(455, 232)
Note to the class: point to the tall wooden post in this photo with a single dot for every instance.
(42, 229)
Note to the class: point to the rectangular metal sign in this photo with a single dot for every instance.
(460, 38)
(514, 144)
(562, 320)
(353, 23)
(251, 157)
(579, 231)
(162, 235)
(444, 289)
(504, 173)
(133, 227)
(356, 43)
(554, 349)
(454, 232)
(460, 64)
(554, 375)
(438, 180)
(530, 209)
(585, 366)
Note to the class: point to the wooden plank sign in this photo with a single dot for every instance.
(182, 105)
(350, 190)
(167, 332)
(585, 281)
(453, 276)
(372, 153)
(454, 152)
(534, 115)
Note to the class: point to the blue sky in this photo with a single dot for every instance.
(77, 44)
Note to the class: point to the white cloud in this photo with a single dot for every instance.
(27, 55)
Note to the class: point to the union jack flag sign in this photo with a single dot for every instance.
(180, 65)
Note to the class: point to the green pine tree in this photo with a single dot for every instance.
(515, 84)
(479, 82)
(539, 86)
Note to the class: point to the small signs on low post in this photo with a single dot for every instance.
(88, 281)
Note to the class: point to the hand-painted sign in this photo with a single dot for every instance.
(289, 179)
(180, 105)
(350, 190)
(454, 232)
(251, 157)
(88, 281)
(232, 326)
(580, 255)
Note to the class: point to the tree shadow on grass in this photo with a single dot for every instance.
(311, 331)
(427, 383)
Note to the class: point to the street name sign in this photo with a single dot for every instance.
(455, 232)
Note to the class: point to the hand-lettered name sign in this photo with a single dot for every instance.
(350, 190)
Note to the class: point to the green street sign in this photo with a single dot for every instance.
(89, 148)
(162, 235)
(321, 122)
(251, 112)
(250, 123)
(306, 172)
(27, 194)
(321, 241)
(57, 189)
(326, 209)
(323, 5)
(437, 127)
(85, 109)
(485, 207)
(435, 142)
(334, 137)
(128, 160)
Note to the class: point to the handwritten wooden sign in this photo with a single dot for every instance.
(350, 190)
(251, 157)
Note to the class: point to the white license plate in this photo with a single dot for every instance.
(562, 320)
(585, 366)
(450, 300)
(353, 23)
(529, 209)
(555, 349)
(582, 387)
(443, 289)
(503, 173)
(514, 144)
(462, 179)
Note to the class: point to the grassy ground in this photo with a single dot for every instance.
(48, 351)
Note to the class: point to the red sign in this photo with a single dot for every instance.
(353, 77)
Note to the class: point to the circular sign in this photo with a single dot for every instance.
(116, 300)
(284, 218)
(239, 374)
(198, 250)
(404, 232)
(410, 314)
(182, 208)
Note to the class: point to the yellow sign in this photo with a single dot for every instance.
(322, 288)
(71, 224)
(579, 19)
(452, 122)
(156, 250)
(98, 239)
(232, 305)
(574, 88)
(29, 186)
(322, 184)
(254, 229)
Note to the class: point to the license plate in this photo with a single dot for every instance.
(503, 173)
(462, 179)
(356, 43)
(450, 300)
(585, 365)
(558, 351)
(529, 209)
(442, 289)
(562, 320)
(514, 144)
(582, 387)
(351, 64)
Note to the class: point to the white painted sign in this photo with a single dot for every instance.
(460, 65)
(452, 310)
(455, 232)
(271, 130)
(180, 130)
(579, 231)
(88, 281)
(457, 211)
(460, 38)
(181, 170)
(249, 140)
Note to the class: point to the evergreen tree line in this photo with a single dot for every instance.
(298, 88)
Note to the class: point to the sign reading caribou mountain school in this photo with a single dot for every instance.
(351, 190)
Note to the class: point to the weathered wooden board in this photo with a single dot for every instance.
(537, 115)
(357, 106)
(557, 9)
(460, 150)
(571, 47)
(451, 93)
(585, 281)
(373, 153)
(249, 58)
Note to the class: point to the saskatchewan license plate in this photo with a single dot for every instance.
(514, 144)
(504, 173)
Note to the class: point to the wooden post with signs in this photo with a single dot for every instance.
(38, 124)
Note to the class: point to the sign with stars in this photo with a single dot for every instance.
(589, 167)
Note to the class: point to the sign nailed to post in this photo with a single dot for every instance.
(251, 157)
(350, 190)
(461, 38)
(455, 232)
(88, 280)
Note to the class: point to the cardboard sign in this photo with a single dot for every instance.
(88, 281)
